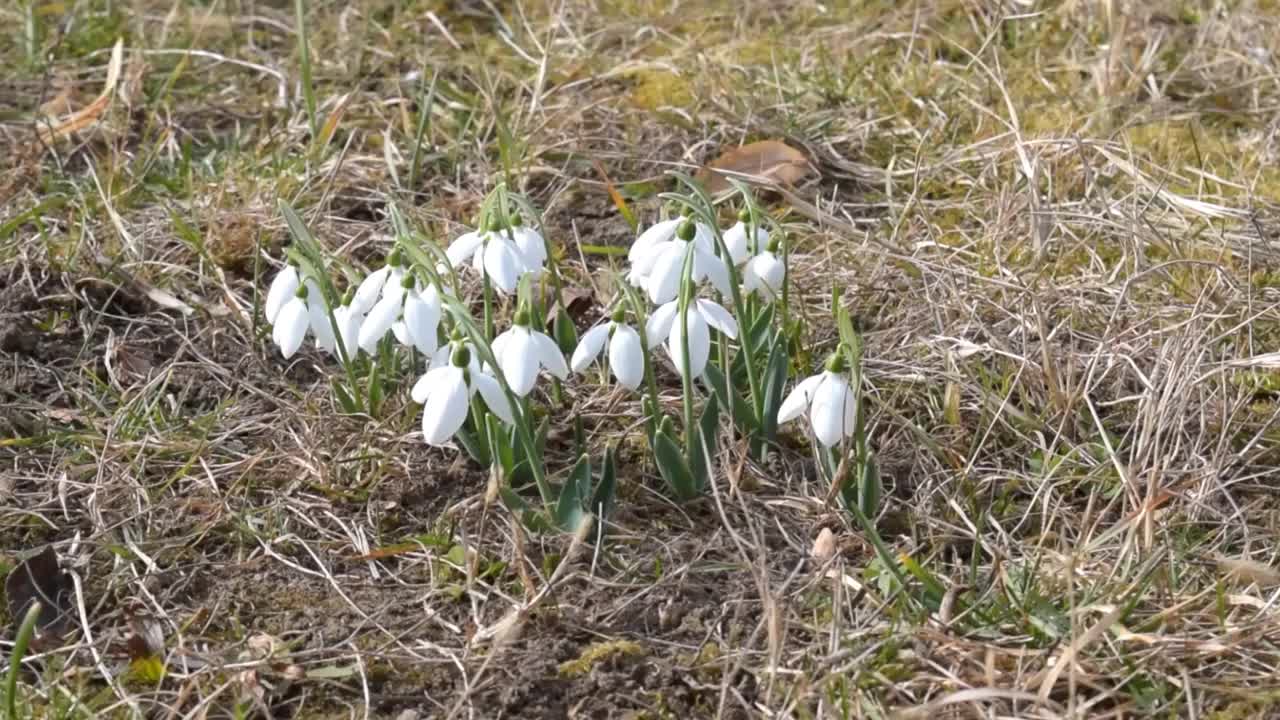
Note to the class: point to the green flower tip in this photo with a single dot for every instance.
(407, 281)
(301, 291)
(456, 336)
(461, 356)
(348, 296)
(394, 259)
(686, 231)
(744, 216)
(516, 220)
(619, 314)
(521, 318)
(494, 225)
(775, 243)
(835, 361)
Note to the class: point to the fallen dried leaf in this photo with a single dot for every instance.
(768, 162)
(824, 547)
(1249, 571)
(90, 113)
(39, 578)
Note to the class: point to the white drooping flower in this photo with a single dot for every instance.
(626, 357)
(501, 255)
(387, 280)
(522, 351)
(829, 400)
(349, 319)
(702, 315)
(765, 273)
(658, 255)
(413, 313)
(446, 389)
(738, 241)
(304, 309)
(283, 287)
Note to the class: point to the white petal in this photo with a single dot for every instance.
(647, 257)
(832, 413)
(375, 326)
(493, 396)
(442, 356)
(718, 318)
(764, 275)
(532, 248)
(318, 319)
(735, 239)
(660, 322)
(699, 346)
(394, 286)
(428, 383)
(705, 238)
(370, 289)
(348, 329)
(463, 247)
(797, 401)
(626, 357)
(589, 347)
(446, 407)
(549, 355)
(502, 264)
(664, 280)
(291, 326)
(421, 321)
(706, 265)
(283, 286)
(401, 332)
(660, 232)
(519, 361)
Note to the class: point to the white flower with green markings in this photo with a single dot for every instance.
(658, 257)
(522, 351)
(701, 317)
(446, 389)
(829, 401)
(626, 356)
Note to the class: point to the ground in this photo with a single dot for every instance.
(1057, 225)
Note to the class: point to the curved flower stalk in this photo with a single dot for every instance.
(702, 316)
(445, 392)
(522, 351)
(657, 259)
(830, 402)
(413, 314)
(626, 354)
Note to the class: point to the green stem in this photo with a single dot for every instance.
(25, 633)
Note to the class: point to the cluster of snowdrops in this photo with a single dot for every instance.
(679, 276)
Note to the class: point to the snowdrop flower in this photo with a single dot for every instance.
(657, 259)
(283, 287)
(521, 351)
(765, 273)
(420, 310)
(292, 318)
(626, 358)
(493, 254)
(738, 241)
(349, 319)
(829, 400)
(529, 242)
(445, 392)
(702, 315)
(387, 280)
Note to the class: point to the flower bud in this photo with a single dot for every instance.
(686, 231)
(407, 281)
(619, 314)
(775, 243)
(394, 258)
(461, 356)
(744, 216)
(521, 318)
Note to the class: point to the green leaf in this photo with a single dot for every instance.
(775, 383)
(565, 333)
(869, 487)
(743, 416)
(569, 507)
(672, 466)
(345, 400)
(606, 490)
(702, 455)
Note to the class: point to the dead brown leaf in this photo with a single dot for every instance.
(89, 114)
(769, 162)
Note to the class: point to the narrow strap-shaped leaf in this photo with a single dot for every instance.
(606, 490)
(672, 466)
(774, 384)
(569, 506)
(743, 416)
